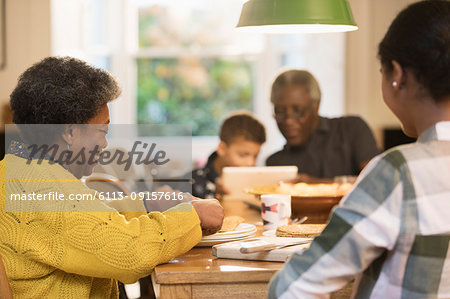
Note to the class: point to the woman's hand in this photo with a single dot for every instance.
(210, 213)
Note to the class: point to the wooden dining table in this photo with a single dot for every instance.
(199, 274)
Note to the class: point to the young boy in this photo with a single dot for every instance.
(241, 136)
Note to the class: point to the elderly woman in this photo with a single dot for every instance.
(393, 229)
(79, 254)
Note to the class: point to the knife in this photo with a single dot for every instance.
(270, 246)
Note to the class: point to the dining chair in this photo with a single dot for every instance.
(5, 288)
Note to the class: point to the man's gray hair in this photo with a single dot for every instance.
(297, 78)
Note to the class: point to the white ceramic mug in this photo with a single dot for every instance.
(275, 210)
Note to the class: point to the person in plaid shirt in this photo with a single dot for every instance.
(392, 231)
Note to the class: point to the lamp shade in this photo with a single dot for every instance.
(296, 16)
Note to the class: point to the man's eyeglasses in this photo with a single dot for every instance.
(295, 113)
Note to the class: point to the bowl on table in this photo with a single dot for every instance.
(312, 200)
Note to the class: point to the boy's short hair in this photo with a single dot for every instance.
(242, 124)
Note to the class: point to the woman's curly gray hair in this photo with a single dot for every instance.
(61, 90)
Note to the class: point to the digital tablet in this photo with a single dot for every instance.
(238, 179)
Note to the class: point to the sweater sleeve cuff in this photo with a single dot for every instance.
(183, 231)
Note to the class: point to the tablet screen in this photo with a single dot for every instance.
(237, 179)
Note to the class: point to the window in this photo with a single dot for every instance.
(197, 91)
(183, 61)
(192, 66)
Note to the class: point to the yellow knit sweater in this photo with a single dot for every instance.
(82, 254)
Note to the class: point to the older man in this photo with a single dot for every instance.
(322, 148)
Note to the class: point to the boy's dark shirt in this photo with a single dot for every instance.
(204, 179)
(338, 147)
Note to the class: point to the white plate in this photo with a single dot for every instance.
(243, 229)
(207, 243)
(218, 238)
(269, 233)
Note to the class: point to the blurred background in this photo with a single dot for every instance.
(183, 62)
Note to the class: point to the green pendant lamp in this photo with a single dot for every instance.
(296, 16)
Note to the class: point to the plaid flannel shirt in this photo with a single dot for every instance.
(392, 230)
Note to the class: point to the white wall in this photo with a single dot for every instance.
(363, 79)
(27, 40)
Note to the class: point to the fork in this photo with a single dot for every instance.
(299, 221)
